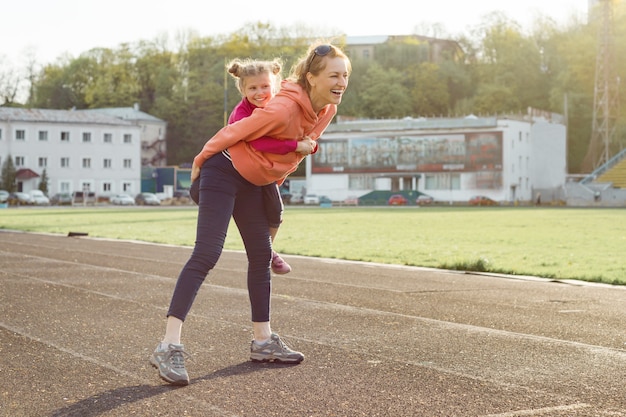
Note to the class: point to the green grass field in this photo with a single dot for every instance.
(560, 243)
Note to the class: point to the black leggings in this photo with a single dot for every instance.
(225, 193)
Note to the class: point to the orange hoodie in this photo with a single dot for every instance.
(288, 115)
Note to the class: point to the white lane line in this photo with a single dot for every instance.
(540, 411)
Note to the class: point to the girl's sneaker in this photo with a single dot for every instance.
(279, 266)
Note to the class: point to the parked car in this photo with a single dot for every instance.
(423, 200)
(311, 199)
(4, 196)
(325, 200)
(351, 201)
(122, 200)
(19, 199)
(79, 197)
(296, 199)
(182, 194)
(61, 199)
(481, 200)
(39, 198)
(147, 199)
(397, 200)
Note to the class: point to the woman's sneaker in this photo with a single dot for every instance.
(171, 364)
(274, 350)
(279, 266)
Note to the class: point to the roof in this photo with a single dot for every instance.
(126, 113)
(413, 124)
(25, 174)
(14, 114)
(366, 40)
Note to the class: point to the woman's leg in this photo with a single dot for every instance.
(252, 223)
(217, 198)
(253, 227)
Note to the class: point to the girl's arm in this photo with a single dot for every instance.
(265, 143)
(273, 145)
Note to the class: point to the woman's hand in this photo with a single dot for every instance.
(195, 172)
(306, 146)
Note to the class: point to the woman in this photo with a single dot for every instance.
(231, 174)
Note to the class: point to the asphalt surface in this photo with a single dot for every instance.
(80, 317)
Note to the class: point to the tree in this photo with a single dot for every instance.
(383, 96)
(429, 93)
(43, 182)
(9, 174)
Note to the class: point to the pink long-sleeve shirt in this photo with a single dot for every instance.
(264, 144)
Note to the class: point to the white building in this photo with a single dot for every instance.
(80, 150)
(153, 133)
(450, 159)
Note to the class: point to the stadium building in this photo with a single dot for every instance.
(507, 159)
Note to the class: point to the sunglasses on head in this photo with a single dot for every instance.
(321, 50)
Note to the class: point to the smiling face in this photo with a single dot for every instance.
(258, 89)
(328, 86)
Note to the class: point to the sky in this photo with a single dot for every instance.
(47, 29)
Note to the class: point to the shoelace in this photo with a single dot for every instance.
(177, 357)
(283, 345)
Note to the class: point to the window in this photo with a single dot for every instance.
(43, 135)
(20, 134)
(65, 186)
(107, 138)
(444, 181)
(86, 137)
(0, 133)
(20, 161)
(106, 187)
(360, 182)
(65, 162)
(128, 138)
(43, 162)
(127, 187)
(127, 163)
(86, 162)
(65, 136)
(106, 163)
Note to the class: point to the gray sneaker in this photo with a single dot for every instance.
(274, 350)
(171, 364)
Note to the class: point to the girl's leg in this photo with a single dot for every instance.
(274, 208)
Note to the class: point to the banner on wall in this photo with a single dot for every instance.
(461, 152)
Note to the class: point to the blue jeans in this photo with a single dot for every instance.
(225, 193)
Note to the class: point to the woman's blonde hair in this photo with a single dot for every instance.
(242, 69)
(308, 63)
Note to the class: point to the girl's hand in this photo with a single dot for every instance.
(306, 146)
(195, 172)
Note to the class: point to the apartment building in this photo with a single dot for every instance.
(79, 150)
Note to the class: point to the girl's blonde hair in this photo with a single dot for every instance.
(309, 63)
(242, 69)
